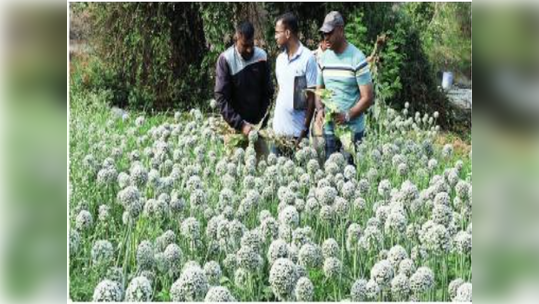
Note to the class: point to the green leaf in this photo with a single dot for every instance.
(224, 280)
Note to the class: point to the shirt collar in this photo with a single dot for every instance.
(296, 55)
(238, 55)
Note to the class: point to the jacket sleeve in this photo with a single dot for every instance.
(223, 94)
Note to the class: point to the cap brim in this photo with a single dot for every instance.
(326, 28)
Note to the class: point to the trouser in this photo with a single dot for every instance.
(261, 148)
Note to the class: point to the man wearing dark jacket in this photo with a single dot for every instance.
(243, 86)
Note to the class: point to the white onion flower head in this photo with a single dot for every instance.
(190, 228)
(396, 222)
(249, 259)
(348, 190)
(219, 294)
(442, 214)
(350, 172)
(123, 180)
(129, 196)
(435, 237)
(462, 189)
(332, 267)
(454, 286)
(372, 290)
(358, 291)
(74, 242)
(327, 214)
(253, 239)
(326, 195)
(104, 213)
(107, 176)
(464, 293)
(107, 291)
(402, 169)
(400, 287)
(139, 290)
(283, 277)
(310, 255)
(341, 207)
(463, 242)
(174, 256)
(353, 234)
(372, 238)
(384, 188)
(432, 164)
(397, 254)
(277, 249)
(330, 248)
(213, 103)
(422, 280)
(102, 252)
(312, 166)
(156, 209)
(447, 151)
(289, 216)
(304, 290)
(84, 220)
(145, 255)
(191, 286)
(139, 121)
(382, 273)
(407, 267)
(213, 272)
(270, 228)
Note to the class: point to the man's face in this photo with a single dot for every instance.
(246, 47)
(281, 34)
(333, 39)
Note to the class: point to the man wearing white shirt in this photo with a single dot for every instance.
(296, 70)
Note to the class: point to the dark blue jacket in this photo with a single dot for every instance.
(243, 89)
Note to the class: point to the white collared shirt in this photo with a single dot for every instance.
(286, 120)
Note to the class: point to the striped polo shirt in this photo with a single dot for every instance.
(343, 74)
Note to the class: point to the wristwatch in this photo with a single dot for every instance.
(347, 116)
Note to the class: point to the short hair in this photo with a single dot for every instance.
(246, 29)
(289, 21)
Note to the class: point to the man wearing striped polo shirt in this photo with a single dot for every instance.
(344, 70)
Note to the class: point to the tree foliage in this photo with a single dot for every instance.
(163, 55)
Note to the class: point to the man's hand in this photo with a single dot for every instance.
(246, 128)
(339, 118)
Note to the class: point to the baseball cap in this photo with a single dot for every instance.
(332, 20)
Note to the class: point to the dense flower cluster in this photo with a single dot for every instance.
(166, 211)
